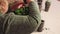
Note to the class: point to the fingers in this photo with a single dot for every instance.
(3, 6)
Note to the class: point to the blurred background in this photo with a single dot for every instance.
(52, 18)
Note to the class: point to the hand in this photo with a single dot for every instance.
(3, 6)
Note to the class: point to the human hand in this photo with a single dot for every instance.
(3, 6)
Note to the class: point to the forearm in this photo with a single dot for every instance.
(35, 12)
(34, 9)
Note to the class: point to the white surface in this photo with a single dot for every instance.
(52, 19)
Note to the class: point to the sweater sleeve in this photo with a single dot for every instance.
(1, 23)
(35, 12)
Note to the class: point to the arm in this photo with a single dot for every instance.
(35, 12)
(3, 10)
(1, 24)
